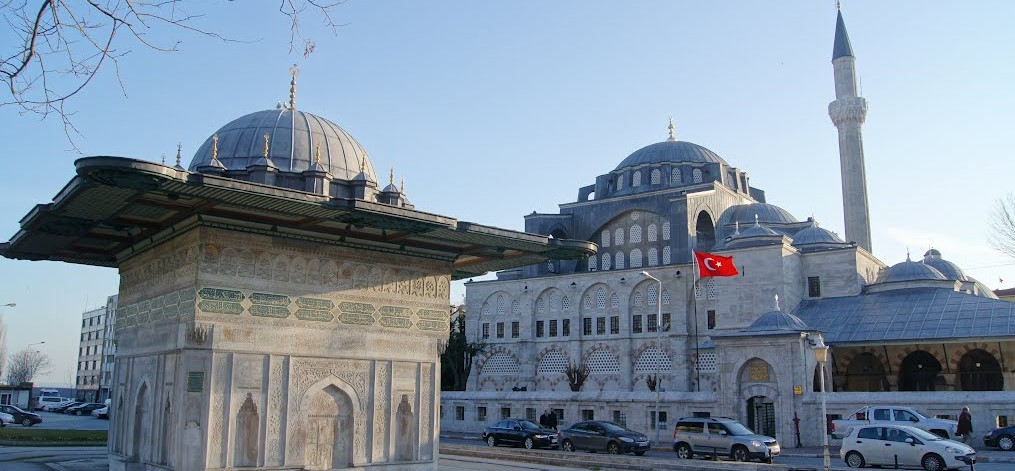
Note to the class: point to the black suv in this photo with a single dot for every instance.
(21, 416)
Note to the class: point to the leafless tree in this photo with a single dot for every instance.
(576, 375)
(1002, 226)
(61, 45)
(24, 365)
(3, 345)
(652, 381)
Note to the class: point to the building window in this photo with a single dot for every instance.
(500, 330)
(655, 176)
(593, 263)
(662, 419)
(618, 236)
(541, 306)
(5, 399)
(653, 257)
(814, 286)
(639, 300)
(588, 414)
(620, 182)
(505, 413)
(486, 330)
(666, 322)
(636, 323)
(696, 175)
(530, 413)
(481, 413)
(675, 176)
(606, 239)
(619, 260)
(614, 324)
(601, 298)
(600, 326)
(565, 303)
(636, 179)
(607, 261)
(514, 330)
(587, 326)
(560, 414)
(666, 297)
(711, 318)
(553, 328)
(82, 322)
(614, 300)
(636, 258)
(635, 234)
(460, 412)
(651, 323)
(666, 255)
(539, 328)
(710, 288)
(620, 417)
(565, 328)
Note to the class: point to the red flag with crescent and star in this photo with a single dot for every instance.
(715, 265)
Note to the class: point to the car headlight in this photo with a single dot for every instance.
(627, 439)
(756, 444)
(951, 449)
(989, 433)
(542, 436)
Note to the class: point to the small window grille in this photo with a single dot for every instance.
(459, 412)
(486, 330)
(505, 413)
(620, 417)
(636, 323)
(666, 322)
(552, 363)
(588, 414)
(618, 236)
(652, 321)
(606, 239)
(707, 362)
(620, 182)
(587, 326)
(636, 259)
(814, 286)
(655, 176)
(588, 302)
(541, 306)
(666, 255)
(602, 362)
(600, 326)
(601, 298)
(666, 231)
(636, 179)
(593, 263)
(500, 330)
(565, 303)
(514, 330)
(553, 328)
(553, 301)
(606, 261)
(711, 318)
(651, 360)
(675, 177)
(480, 413)
(487, 309)
(614, 300)
(666, 297)
(710, 287)
(565, 328)
(697, 290)
(652, 293)
(614, 324)
(696, 175)
(653, 257)
(638, 301)
(635, 234)
(501, 364)
(653, 232)
(620, 260)
(501, 305)
(539, 329)
(550, 268)
(514, 307)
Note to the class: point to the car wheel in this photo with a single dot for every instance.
(1006, 442)
(639, 453)
(612, 448)
(491, 441)
(933, 462)
(26, 422)
(683, 451)
(739, 453)
(77, 412)
(854, 459)
(529, 444)
(567, 446)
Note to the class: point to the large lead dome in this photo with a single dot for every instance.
(293, 140)
(670, 151)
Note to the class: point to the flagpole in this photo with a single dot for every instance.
(697, 355)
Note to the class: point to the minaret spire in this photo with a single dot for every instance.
(848, 112)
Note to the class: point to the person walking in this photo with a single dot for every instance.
(551, 419)
(544, 420)
(965, 428)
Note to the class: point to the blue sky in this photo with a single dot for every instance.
(493, 110)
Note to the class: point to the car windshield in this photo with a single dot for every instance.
(922, 414)
(737, 429)
(612, 427)
(923, 434)
(529, 425)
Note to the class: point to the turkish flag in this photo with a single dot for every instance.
(715, 265)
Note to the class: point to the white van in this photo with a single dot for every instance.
(46, 402)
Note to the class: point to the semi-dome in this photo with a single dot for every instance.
(295, 140)
(908, 271)
(671, 151)
(950, 270)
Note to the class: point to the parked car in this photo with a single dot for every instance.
(1003, 438)
(84, 409)
(520, 432)
(5, 419)
(102, 413)
(595, 435)
(721, 436)
(47, 403)
(63, 407)
(897, 415)
(883, 444)
(21, 416)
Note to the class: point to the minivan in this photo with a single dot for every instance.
(43, 402)
(714, 436)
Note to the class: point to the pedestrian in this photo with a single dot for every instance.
(965, 428)
(544, 419)
(551, 419)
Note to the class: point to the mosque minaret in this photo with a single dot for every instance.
(848, 112)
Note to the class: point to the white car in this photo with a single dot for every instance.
(5, 419)
(886, 445)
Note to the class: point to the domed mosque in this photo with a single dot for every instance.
(644, 317)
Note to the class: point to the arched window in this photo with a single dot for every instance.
(675, 177)
(865, 373)
(635, 235)
(636, 178)
(696, 175)
(614, 300)
(919, 372)
(601, 298)
(588, 302)
(553, 301)
(666, 231)
(620, 260)
(606, 262)
(652, 293)
(653, 257)
(980, 371)
(704, 232)
(666, 255)
(618, 236)
(606, 239)
(593, 263)
(541, 306)
(639, 301)
(565, 303)
(487, 309)
(655, 176)
(653, 232)
(666, 297)
(620, 182)
(636, 260)
(514, 307)
(501, 305)
(710, 288)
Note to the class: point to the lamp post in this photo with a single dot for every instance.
(31, 366)
(821, 355)
(659, 343)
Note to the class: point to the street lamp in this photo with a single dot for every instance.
(31, 365)
(659, 343)
(821, 355)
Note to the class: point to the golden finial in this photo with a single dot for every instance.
(215, 147)
(317, 157)
(294, 71)
(402, 188)
(178, 147)
(673, 136)
(266, 148)
(391, 177)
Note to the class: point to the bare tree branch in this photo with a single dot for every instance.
(25, 365)
(1002, 226)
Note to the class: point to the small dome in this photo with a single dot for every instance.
(816, 235)
(778, 321)
(758, 230)
(670, 152)
(908, 271)
(932, 253)
(294, 140)
(950, 270)
(745, 215)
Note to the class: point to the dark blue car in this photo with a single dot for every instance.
(595, 435)
(520, 432)
(1003, 438)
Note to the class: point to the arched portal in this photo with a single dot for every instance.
(142, 423)
(761, 415)
(980, 371)
(705, 232)
(405, 431)
(329, 434)
(866, 373)
(919, 372)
